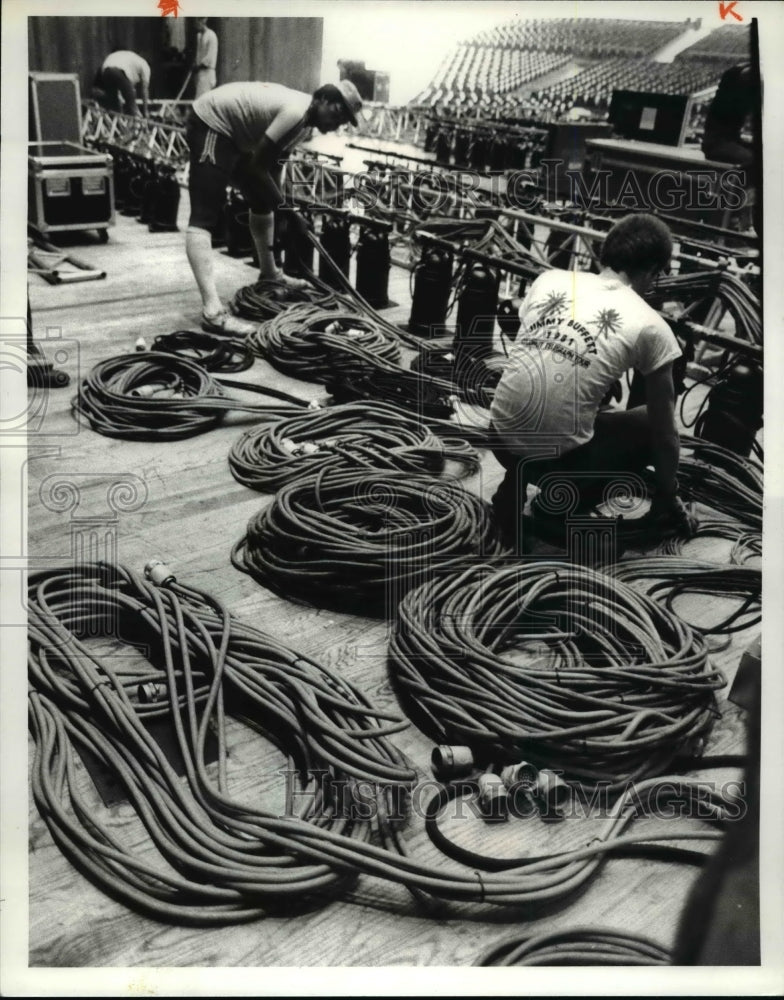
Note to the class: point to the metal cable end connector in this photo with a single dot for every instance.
(159, 573)
(493, 798)
(451, 762)
(553, 795)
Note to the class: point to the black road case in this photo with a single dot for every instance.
(69, 187)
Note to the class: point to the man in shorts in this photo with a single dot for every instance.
(241, 134)
(580, 332)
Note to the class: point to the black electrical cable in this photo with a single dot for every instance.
(711, 380)
(268, 298)
(677, 576)
(739, 300)
(156, 396)
(208, 666)
(721, 480)
(437, 359)
(577, 946)
(212, 352)
(622, 686)
(227, 859)
(316, 344)
(353, 356)
(471, 857)
(747, 545)
(370, 435)
(357, 541)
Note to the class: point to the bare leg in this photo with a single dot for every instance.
(198, 247)
(262, 229)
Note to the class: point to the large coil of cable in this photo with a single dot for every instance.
(577, 946)
(312, 343)
(722, 480)
(552, 663)
(202, 854)
(214, 353)
(357, 542)
(267, 298)
(365, 436)
(746, 545)
(672, 577)
(219, 859)
(155, 396)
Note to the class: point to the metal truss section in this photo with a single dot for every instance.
(403, 124)
(315, 178)
(170, 110)
(156, 139)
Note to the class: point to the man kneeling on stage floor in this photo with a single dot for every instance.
(579, 333)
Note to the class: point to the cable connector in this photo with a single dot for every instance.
(520, 780)
(552, 794)
(451, 762)
(150, 692)
(522, 775)
(159, 573)
(493, 799)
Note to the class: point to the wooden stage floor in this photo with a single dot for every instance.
(189, 514)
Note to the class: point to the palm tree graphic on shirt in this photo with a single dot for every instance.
(554, 302)
(608, 321)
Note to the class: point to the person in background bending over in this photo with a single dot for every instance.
(206, 60)
(121, 73)
(580, 332)
(241, 134)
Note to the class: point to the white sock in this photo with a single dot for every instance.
(262, 229)
(198, 247)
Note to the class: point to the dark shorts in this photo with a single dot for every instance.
(114, 84)
(215, 164)
(618, 452)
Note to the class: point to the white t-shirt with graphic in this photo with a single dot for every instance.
(244, 112)
(579, 333)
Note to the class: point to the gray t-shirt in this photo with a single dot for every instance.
(579, 332)
(244, 112)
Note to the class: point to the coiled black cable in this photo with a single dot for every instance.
(355, 358)
(577, 946)
(736, 297)
(267, 298)
(317, 344)
(676, 576)
(357, 542)
(612, 688)
(372, 435)
(208, 666)
(226, 859)
(156, 396)
(212, 352)
(721, 479)
(747, 545)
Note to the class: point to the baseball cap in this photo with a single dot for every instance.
(351, 99)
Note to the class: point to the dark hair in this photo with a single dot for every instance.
(636, 243)
(328, 92)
